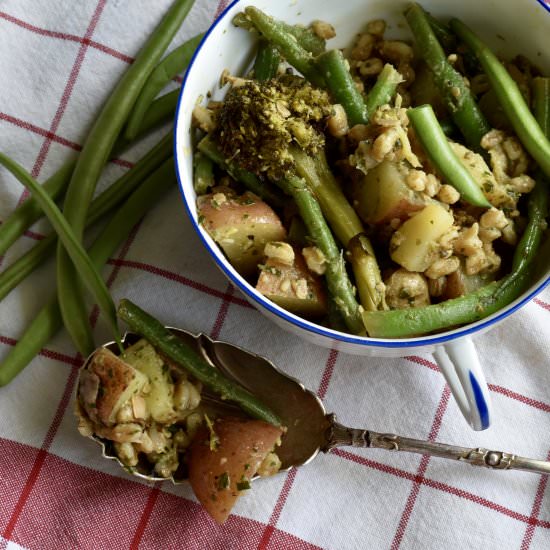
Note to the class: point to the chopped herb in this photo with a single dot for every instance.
(223, 481)
(214, 441)
(243, 485)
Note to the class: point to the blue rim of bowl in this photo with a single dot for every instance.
(297, 321)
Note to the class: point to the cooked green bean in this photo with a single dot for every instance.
(437, 148)
(77, 254)
(248, 179)
(267, 61)
(96, 150)
(334, 69)
(286, 43)
(29, 212)
(455, 94)
(305, 36)
(338, 283)
(384, 89)
(443, 33)
(510, 97)
(541, 103)
(48, 321)
(176, 349)
(172, 65)
(203, 173)
(103, 203)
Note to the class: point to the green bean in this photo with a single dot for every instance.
(510, 97)
(403, 323)
(455, 94)
(437, 148)
(286, 43)
(305, 36)
(77, 254)
(541, 103)
(249, 180)
(91, 161)
(173, 64)
(443, 33)
(101, 205)
(267, 61)
(334, 69)
(161, 110)
(384, 89)
(48, 321)
(176, 349)
(338, 283)
(203, 173)
(29, 212)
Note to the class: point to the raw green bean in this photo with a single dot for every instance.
(510, 97)
(48, 321)
(161, 110)
(77, 254)
(173, 64)
(541, 103)
(203, 173)
(437, 148)
(305, 36)
(91, 161)
(403, 323)
(101, 205)
(338, 283)
(176, 349)
(286, 43)
(29, 212)
(334, 69)
(267, 61)
(384, 89)
(455, 94)
(249, 180)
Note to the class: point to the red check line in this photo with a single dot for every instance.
(402, 474)
(145, 515)
(289, 481)
(66, 36)
(170, 275)
(222, 313)
(411, 500)
(535, 511)
(542, 304)
(54, 137)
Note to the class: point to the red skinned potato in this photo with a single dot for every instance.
(241, 225)
(218, 477)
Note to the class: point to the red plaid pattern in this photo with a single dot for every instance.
(59, 61)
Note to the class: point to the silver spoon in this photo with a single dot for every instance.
(310, 429)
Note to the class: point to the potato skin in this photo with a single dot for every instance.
(214, 474)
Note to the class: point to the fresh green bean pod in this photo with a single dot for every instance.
(342, 87)
(437, 148)
(383, 90)
(92, 159)
(171, 66)
(161, 110)
(456, 95)
(305, 36)
(267, 61)
(249, 180)
(173, 347)
(29, 212)
(109, 199)
(338, 283)
(510, 97)
(48, 321)
(77, 254)
(286, 43)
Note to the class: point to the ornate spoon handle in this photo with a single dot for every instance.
(340, 436)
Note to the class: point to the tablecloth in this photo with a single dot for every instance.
(59, 59)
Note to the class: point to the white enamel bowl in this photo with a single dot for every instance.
(226, 47)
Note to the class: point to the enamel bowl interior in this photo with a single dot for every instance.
(226, 47)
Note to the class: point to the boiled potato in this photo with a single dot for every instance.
(241, 225)
(415, 244)
(383, 194)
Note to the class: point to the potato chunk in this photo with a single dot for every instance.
(293, 287)
(415, 244)
(219, 475)
(383, 194)
(241, 226)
